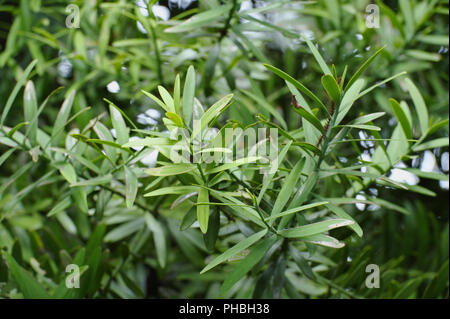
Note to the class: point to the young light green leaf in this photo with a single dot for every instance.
(106, 179)
(158, 101)
(362, 68)
(200, 20)
(295, 210)
(63, 116)
(439, 142)
(149, 141)
(125, 230)
(315, 228)
(16, 89)
(175, 118)
(343, 214)
(419, 103)
(317, 55)
(401, 117)
(178, 190)
(167, 98)
(188, 95)
(210, 114)
(350, 96)
(122, 131)
(330, 85)
(367, 118)
(171, 169)
(30, 110)
(360, 126)
(236, 163)
(177, 95)
(131, 186)
(287, 188)
(203, 210)
(68, 172)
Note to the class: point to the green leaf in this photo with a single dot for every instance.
(298, 85)
(429, 175)
(295, 210)
(30, 110)
(177, 95)
(310, 118)
(173, 190)
(402, 118)
(308, 146)
(287, 188)
(367, 118)
(29, 287)
(439, 142)
(63, 116)
(438, 283)
(210, 114)
(330, 85)
(315, 228)
(158, 101)
(16, 128)
(323, 240)
(131, 186)
(68, 172)
(421, 108)
(125, 230)
(350, 96)
(15, 91)
(203, 210)
(362, 68)
(213, 230)
(149, 141)
(423, 55)
(265, 105)
(200, 20)
(247, 264)
(268, 179)
(188, 95)
(360, 126)
(106, 179)
(236, 249)
(159, 238)
(175, 118)
(343, 214)
(317, 55)
(302, 263)
(122, 131)
(167, 98)
(435, 39)
(171, 169)
(108, 143)
(373, 87)
(105, 135)
(61, 206)
(236, 163)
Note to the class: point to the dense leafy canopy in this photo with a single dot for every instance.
(88, 176)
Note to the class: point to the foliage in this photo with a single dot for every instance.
(88, 177)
